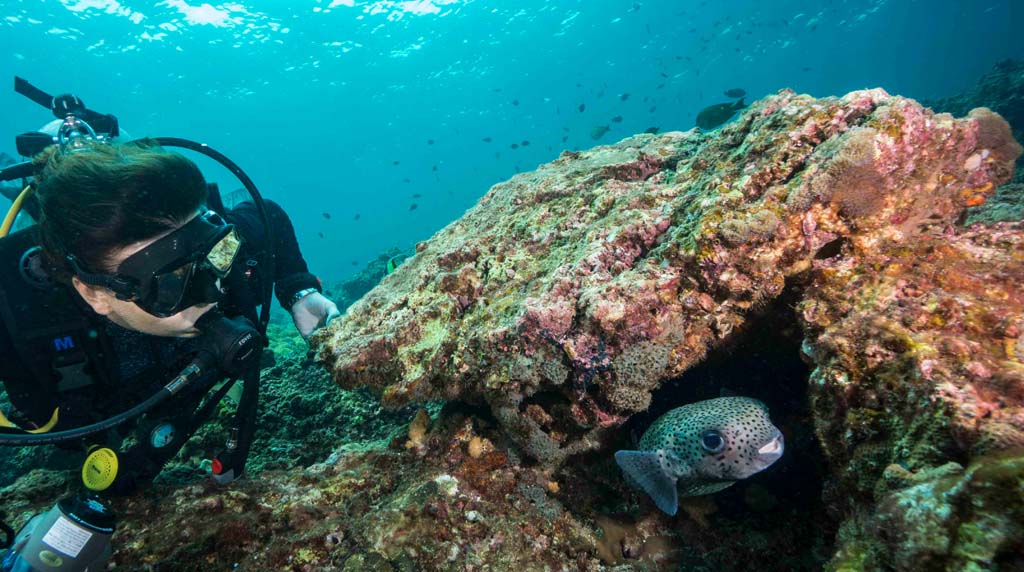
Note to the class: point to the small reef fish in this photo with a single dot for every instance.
(582, 107)
(734, 92)
(617, 119)
(652, 130)
(624, 97)
(714, 115)
(327, 215)
(394, 262)
(413, 206)
(599, 131)
(487, 140)
(356, 217)
(702, 448)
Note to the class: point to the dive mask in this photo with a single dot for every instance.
(176, 272)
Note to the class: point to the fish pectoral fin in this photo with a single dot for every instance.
(643, 470)
(698, 488)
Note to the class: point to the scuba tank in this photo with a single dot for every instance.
(73, 536)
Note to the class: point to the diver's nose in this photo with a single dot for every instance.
(772, 450)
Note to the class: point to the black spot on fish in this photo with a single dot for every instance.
(327, 215)
(413, 206)
(617, 119)
(624, 97)
(582, 107)
(487, 140)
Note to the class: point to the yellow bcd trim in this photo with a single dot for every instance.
(4, 422)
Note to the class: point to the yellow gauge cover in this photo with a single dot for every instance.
(99, 469)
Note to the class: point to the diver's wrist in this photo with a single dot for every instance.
(300, 295)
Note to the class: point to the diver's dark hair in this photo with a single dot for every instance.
(97, 200)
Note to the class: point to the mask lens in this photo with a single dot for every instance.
(169, 290)
(223, 254)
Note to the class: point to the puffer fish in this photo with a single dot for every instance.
(714, 115)
(702, 448)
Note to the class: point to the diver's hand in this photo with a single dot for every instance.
(313, 312)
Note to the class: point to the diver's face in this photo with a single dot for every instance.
(128, 314)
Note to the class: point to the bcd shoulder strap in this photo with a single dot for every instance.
(54, 340)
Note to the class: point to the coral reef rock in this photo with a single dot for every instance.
(568, 294)
(1001, 90)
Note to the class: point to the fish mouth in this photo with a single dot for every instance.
(772, 450)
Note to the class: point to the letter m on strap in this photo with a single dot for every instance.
(63, 344)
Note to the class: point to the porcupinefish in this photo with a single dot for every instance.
(702, 448)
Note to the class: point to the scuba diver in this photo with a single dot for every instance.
(129, 310)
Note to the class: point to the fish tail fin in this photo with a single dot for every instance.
(644, 471)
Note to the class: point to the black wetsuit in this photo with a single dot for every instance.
(136, 365)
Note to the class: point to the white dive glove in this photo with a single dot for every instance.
(312, 312)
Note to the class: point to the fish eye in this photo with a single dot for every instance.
(712, 441)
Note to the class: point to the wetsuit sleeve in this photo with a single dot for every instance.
(290, 270)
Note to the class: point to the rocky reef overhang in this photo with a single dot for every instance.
(569, 295)
(600, 275)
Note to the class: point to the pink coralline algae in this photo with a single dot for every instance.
(602, 274)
